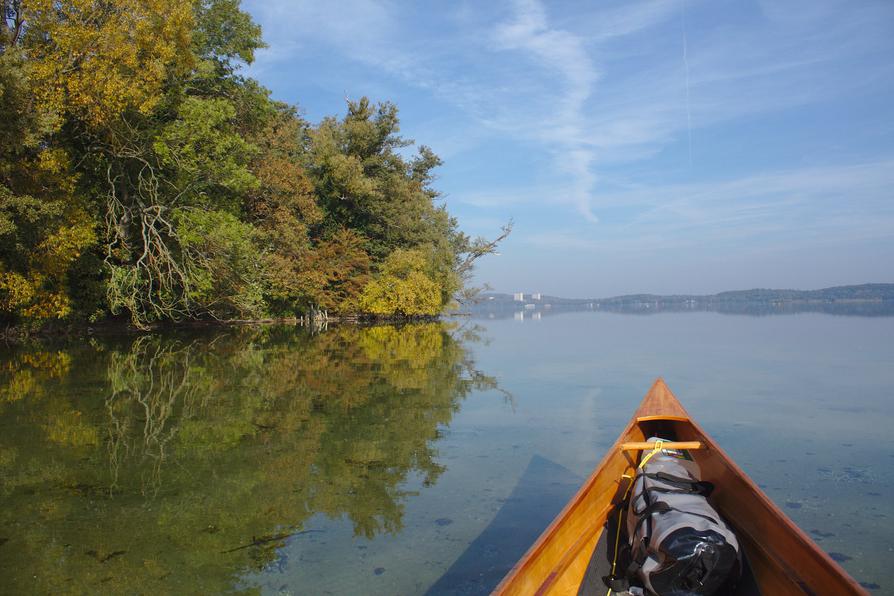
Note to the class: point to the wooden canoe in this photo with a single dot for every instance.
(781, 558)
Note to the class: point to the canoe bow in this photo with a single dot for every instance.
(781, 557)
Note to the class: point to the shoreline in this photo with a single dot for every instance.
(13, 334)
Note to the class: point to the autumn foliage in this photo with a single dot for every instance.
(141, 175)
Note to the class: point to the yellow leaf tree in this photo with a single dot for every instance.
(403, 287)
(96, 59)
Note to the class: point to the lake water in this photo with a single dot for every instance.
(414, 459)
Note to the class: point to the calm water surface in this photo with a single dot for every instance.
(406, 460)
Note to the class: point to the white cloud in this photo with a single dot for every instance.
(603, 90)
(799, 207)
(560, 52)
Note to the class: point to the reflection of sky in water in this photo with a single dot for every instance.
(800, 402)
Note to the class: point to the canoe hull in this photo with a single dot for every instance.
(782, 558)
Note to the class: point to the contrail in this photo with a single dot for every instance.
(686, 70)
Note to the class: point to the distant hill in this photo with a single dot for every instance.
(864, 292)
(859, 293)
(867, 300)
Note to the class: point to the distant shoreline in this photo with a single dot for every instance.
(863, 293)
(867, 300)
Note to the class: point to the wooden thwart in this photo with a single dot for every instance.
(649, 445)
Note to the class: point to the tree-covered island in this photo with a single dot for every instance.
(143, 176)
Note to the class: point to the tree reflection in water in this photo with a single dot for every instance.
(176, 462)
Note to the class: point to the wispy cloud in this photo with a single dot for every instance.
(592, 98)
(798, 207)
(567, 80)
(560, 52)
(543, 102)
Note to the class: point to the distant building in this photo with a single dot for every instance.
(536, 296)
(518, 297)
(529, 307)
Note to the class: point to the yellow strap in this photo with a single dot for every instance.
(642, 463)
(618, 532)
(657, 448)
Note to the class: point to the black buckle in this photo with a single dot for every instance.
(615, 583)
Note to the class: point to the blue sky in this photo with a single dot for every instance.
(639, 146)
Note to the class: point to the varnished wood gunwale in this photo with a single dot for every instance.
(783, 559)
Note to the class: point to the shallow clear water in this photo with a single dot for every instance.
(417, 459)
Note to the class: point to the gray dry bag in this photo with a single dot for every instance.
(678, 543)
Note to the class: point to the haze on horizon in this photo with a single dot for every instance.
(680, 146)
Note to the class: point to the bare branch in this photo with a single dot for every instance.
(481, 247)
(477, 248)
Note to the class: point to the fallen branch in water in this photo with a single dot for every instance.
(265, 539)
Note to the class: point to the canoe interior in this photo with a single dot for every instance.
(781, 558)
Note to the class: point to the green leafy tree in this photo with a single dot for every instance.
(224, 275)
(364, 182)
